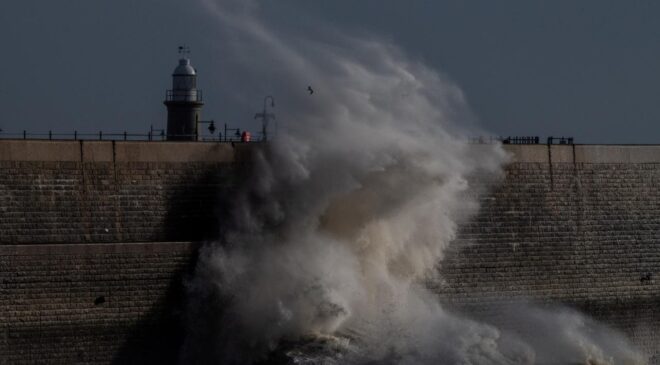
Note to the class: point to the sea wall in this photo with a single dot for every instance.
(96, 239)
(578, 225)
(92, 303)
(94, 192)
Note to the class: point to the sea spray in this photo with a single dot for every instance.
(325, 248)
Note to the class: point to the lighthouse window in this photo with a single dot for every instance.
(184, 82)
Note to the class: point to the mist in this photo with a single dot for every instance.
(349, 209)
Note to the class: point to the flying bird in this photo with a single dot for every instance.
(311, 91)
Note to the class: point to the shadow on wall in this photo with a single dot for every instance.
(205, 305)
(157, 337)
(194, 210)
(197, 210)
(192, 216)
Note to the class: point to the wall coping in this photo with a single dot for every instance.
(584, 153)
(141, 151)
(118, 151)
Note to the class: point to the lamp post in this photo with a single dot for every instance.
(265, 117)
(237, 134)
(211, 127)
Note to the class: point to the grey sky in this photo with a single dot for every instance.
(589, 69)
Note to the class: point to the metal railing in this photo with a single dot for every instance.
(560, 140)
(519, 140)
(158, 135)
(184, 95)
(99, 136)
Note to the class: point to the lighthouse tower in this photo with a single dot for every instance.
(184, 103)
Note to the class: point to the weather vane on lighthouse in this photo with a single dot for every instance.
(184, 50)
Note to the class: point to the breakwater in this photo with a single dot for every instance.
(95, 238)
(577, 225)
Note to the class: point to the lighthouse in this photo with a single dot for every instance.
(184, 103)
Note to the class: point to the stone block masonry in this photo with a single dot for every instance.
(96, 237)
(50, 202)
(576, 225)
(95, 241)
(92, 303)
(111, 192)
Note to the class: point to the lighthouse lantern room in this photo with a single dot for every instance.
(184, 102)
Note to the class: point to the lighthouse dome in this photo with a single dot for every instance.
(184, 68)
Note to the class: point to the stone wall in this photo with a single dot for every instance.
(95, 239)
(69, 192)
(578, 225)
(92, 303)
(90, 267)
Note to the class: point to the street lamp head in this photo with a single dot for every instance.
(272, 101)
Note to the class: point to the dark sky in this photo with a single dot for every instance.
(588, 69)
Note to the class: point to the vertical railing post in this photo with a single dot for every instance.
(50, 135)
(125, 135)
(100, 135)
(24, 134)
(75, 135)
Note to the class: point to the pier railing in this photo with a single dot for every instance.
(155, 136)
(519, 140)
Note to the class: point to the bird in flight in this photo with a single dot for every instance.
(311, 91)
